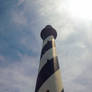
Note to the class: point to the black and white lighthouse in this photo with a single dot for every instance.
(49, 77)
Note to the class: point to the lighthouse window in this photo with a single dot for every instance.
(47, 91)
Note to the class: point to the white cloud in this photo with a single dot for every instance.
(2, 58)
(19, 18)
(20, 75)
(20, 2)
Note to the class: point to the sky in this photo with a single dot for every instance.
(21, 22)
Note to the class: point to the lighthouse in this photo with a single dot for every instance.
(49, 75)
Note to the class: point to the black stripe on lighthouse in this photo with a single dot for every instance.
(49, 68)
(46, 48)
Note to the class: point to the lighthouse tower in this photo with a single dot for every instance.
(49, 77)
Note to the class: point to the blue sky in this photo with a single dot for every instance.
(21, 22)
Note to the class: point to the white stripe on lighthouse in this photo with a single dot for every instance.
(49, 38)
(48, 54)
(53, 84)
(46, 72)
